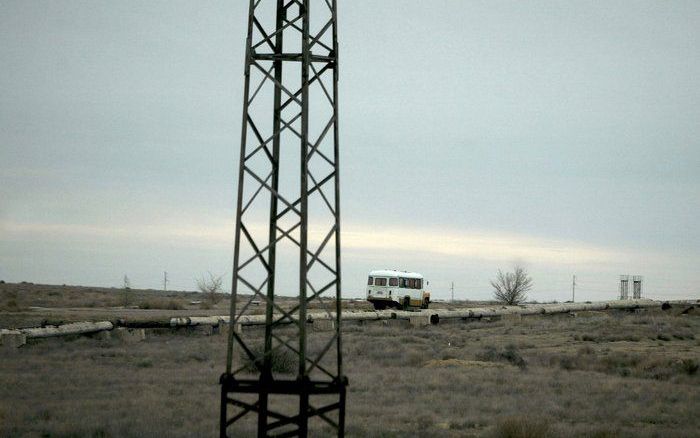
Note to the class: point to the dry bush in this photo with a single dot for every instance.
(282, 360)
(9, 301)
(689, 366)
(508, 354)
(211, 287)
(11, 305)
(511, 288)
(521, 427)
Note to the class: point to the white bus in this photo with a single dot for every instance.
(397, 289)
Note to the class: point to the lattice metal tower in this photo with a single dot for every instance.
(287, 242)
(624, 287)
(637, 287)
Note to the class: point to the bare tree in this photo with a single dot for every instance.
(511, 287)
(211, 287)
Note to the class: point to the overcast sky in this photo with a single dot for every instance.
(561, 135)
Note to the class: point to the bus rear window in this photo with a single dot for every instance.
(370, 282)
(393, 282)
(380, 281)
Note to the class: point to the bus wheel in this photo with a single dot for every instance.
(406, 303)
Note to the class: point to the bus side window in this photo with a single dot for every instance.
(419, 284)
(369, 282)
(393, 282)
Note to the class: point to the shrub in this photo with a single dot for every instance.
(689, 366)
(424, 422)
(211, 287)
(585, 350)
(144, 363)
(684, 335)
(511, 288)
(567, 363)
(509, 354)
(521, 427)
(282, 360)
(11, 305)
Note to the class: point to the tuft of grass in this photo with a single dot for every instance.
(521, 427)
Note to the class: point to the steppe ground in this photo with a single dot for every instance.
(596, 374)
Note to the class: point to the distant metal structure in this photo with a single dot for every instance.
(624, 287)
(637, 287)
(287, 226)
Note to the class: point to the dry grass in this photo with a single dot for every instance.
(161, 303)
(450, 380)
(28, 304)
(65, 296)
(521, 427)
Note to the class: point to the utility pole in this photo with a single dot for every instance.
(573, 290)
(452, 289)
(165, 281)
